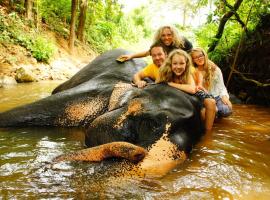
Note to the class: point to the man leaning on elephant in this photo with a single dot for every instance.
(152, 70)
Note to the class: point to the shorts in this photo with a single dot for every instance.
(203, 95)
(223, 109)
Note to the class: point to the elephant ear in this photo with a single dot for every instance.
(118, 91)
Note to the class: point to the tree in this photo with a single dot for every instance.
(72, 25)
(187, 8)
(28, 5)
(82, 18)
(223, 22)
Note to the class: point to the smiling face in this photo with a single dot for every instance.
(198, 58)
(178, 64)
(158, 55)
(167, 36)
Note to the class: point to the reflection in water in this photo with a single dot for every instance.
(24, 93)
(231, 162)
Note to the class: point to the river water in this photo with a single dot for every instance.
(232, 162)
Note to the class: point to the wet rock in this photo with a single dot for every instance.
(24, 75)
(7, 81)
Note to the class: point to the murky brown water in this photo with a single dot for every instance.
(231, 163)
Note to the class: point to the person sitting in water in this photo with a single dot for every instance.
(169, 37)
(209, 78)
(152, 70)
(177, 72)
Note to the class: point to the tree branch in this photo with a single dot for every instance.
(239, 45)
(223, 21)
(235, 14)
(259, 84)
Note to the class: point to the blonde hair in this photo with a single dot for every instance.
(177, 40)
(166, 73)
(208, 67)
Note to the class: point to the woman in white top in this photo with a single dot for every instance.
(209, 77)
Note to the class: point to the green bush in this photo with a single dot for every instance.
(13, 30)
(42, 49)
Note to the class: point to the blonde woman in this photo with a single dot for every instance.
(176, 71)
(169, 37)
(209, 77)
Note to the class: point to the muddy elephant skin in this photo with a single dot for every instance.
(101, 99)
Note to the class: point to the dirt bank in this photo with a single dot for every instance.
(62, 66)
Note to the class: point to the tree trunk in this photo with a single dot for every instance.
(11, 4)
(82, 18)
(72, 25)
(28, 5)
(223, 21)
(184, 16)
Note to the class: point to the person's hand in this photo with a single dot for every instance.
(170, 84)
(226, 101)
(141, 84)
(198, 87)
(124, 58)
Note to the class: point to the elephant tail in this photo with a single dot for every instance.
(115, 149)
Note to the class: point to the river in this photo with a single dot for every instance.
(232, 162)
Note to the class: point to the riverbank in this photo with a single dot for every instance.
(24, 45)
(15, 62)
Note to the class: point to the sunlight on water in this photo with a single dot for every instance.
(232, 162)
(24, 93)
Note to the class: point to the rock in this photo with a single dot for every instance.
(24, 75)
(7, 81)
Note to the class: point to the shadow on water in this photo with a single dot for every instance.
(231, 162)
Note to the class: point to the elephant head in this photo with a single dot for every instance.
(142, 116)
(101, 99)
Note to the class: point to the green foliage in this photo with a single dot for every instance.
(205, 35)
(56, 14)
(106, 25)
(140, 17)
(59, 10)
(108, 28)
(101, 36)
(42, 49)
(13, 30)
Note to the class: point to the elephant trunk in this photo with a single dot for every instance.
(115, 149)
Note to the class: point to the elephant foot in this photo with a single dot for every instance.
(114, 149)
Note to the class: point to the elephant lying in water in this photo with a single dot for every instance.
(101, 99)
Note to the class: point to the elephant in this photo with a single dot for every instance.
(101, 99)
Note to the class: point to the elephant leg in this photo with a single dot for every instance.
(114, 149)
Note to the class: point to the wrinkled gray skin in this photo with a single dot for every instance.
(83, 101)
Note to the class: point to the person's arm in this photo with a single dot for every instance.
(135, 55)
(138, 79)
(226, 101)
(198, 77)
(189, 87)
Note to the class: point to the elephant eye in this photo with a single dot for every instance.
(146, 129)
